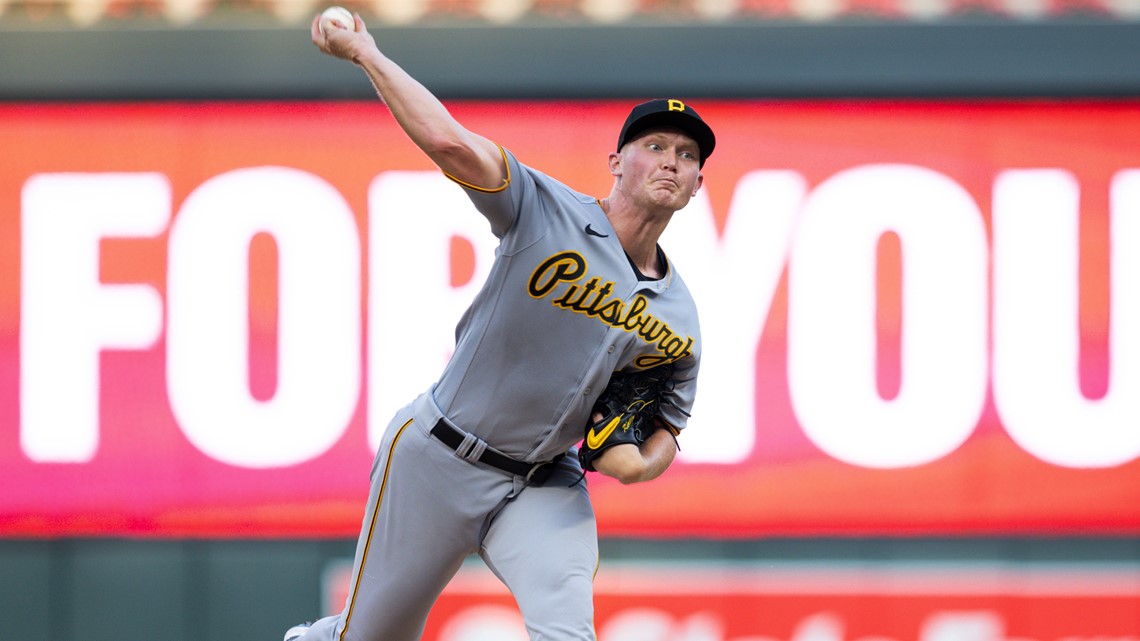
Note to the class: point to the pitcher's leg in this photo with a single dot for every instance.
(544, 546)
(412, 539)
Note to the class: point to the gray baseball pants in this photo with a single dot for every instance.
(428, 510)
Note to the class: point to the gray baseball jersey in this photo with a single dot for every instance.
(562, 309)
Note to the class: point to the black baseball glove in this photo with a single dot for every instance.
(628, 407)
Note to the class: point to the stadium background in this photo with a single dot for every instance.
(79, 581)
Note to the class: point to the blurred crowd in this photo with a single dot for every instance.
(198, 13)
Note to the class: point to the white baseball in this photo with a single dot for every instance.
(338, 16)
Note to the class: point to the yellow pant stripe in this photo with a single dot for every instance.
(372, 527)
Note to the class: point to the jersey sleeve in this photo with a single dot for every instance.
(503, 206)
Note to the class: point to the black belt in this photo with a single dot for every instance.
(454, 438)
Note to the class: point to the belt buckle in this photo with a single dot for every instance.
(540, 472)
(534, 468)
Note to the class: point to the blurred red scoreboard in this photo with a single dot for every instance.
(918, 317)
(802, 603)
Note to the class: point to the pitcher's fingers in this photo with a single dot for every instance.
(315, 30)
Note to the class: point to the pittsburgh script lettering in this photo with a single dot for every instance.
(595, 299)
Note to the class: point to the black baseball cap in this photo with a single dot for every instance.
(668, 112)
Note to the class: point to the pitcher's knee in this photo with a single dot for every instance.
(562, 627)
(563, 612)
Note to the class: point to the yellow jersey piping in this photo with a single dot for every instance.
(485, 190)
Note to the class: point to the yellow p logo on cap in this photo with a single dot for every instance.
(676, 105)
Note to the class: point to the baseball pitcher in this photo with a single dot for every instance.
(583, 333)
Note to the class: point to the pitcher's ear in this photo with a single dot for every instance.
(615, 163)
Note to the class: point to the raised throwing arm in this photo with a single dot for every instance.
(460, 153)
